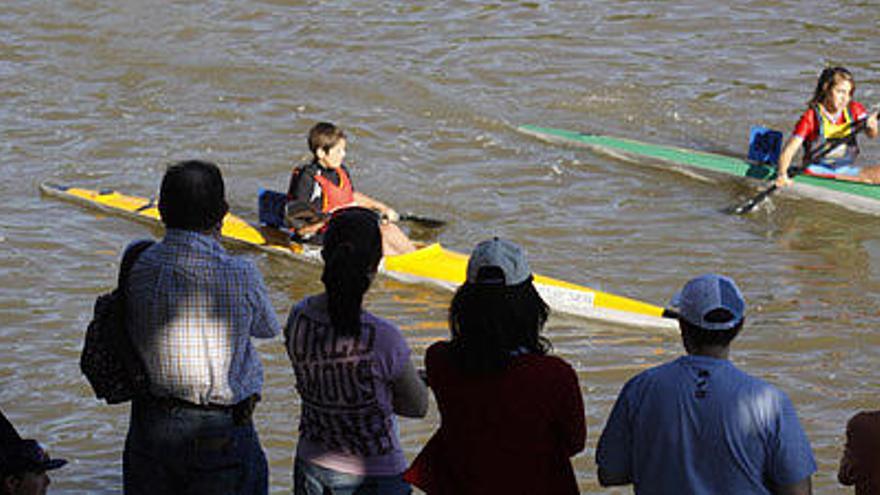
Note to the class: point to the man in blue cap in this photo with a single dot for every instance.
(700, 425)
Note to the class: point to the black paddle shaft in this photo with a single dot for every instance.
(431, 223)
(427, 222)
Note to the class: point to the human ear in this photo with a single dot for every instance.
(11, 483)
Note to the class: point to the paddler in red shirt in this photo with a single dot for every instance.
(832, 114)
(319, 188)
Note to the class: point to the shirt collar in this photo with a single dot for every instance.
(703, 360)
(181, 236)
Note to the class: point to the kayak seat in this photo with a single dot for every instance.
(765, 145)
(271, 208)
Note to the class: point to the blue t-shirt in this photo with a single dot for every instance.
(699, 425)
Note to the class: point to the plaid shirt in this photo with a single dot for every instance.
(191, 310)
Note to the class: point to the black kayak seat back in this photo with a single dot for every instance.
(271, 208)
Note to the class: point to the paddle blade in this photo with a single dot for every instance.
(752, 203)
(431, 223)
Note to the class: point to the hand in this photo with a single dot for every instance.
(783, 181)
(872, 122)
(391, 215)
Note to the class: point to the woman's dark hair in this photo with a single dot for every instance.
(192, 196)
(352, 251)
(492, 323)
(827, 79)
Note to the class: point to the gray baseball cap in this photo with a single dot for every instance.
(705, 295)
(498, 262)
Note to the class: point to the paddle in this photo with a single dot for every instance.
(794, 171)
(431, 223)
(272, 212)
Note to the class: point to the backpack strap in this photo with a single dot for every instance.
(128, 259)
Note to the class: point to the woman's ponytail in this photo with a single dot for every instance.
(352, 251)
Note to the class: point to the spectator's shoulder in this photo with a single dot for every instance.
(765, 398)
(552, 363)
(138, 244)
(865, 420)
(437, 350)
(646, 379)
(758, 384)
(377, 321)
(242, 268)
(237, 262)
(385, 329)
(658, 371)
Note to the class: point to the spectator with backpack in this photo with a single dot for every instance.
(191, 310)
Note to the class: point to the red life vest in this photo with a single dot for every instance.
(335, 195)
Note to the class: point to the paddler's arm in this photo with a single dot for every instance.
(386, 211)
(788, 151)
(302, 213)
(871, 129)
(303, 218)
(310, 229)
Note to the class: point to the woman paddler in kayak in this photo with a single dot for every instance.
(511, 416)
(831, 114)
(323, 186)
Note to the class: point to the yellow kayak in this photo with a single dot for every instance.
(432, 264)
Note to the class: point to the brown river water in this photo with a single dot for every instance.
(103, 93)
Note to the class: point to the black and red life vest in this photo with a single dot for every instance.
(335, 196)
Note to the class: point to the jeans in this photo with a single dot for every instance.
(309, 479)
(185, 450)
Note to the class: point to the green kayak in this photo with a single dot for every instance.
(855, 196)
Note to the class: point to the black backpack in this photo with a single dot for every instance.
(109, 360)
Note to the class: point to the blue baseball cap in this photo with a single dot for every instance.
(711, 302)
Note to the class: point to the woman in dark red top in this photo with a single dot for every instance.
(511, 416)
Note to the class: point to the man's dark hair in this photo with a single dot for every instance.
(701, 337)
(192, 196)
(324, 136)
